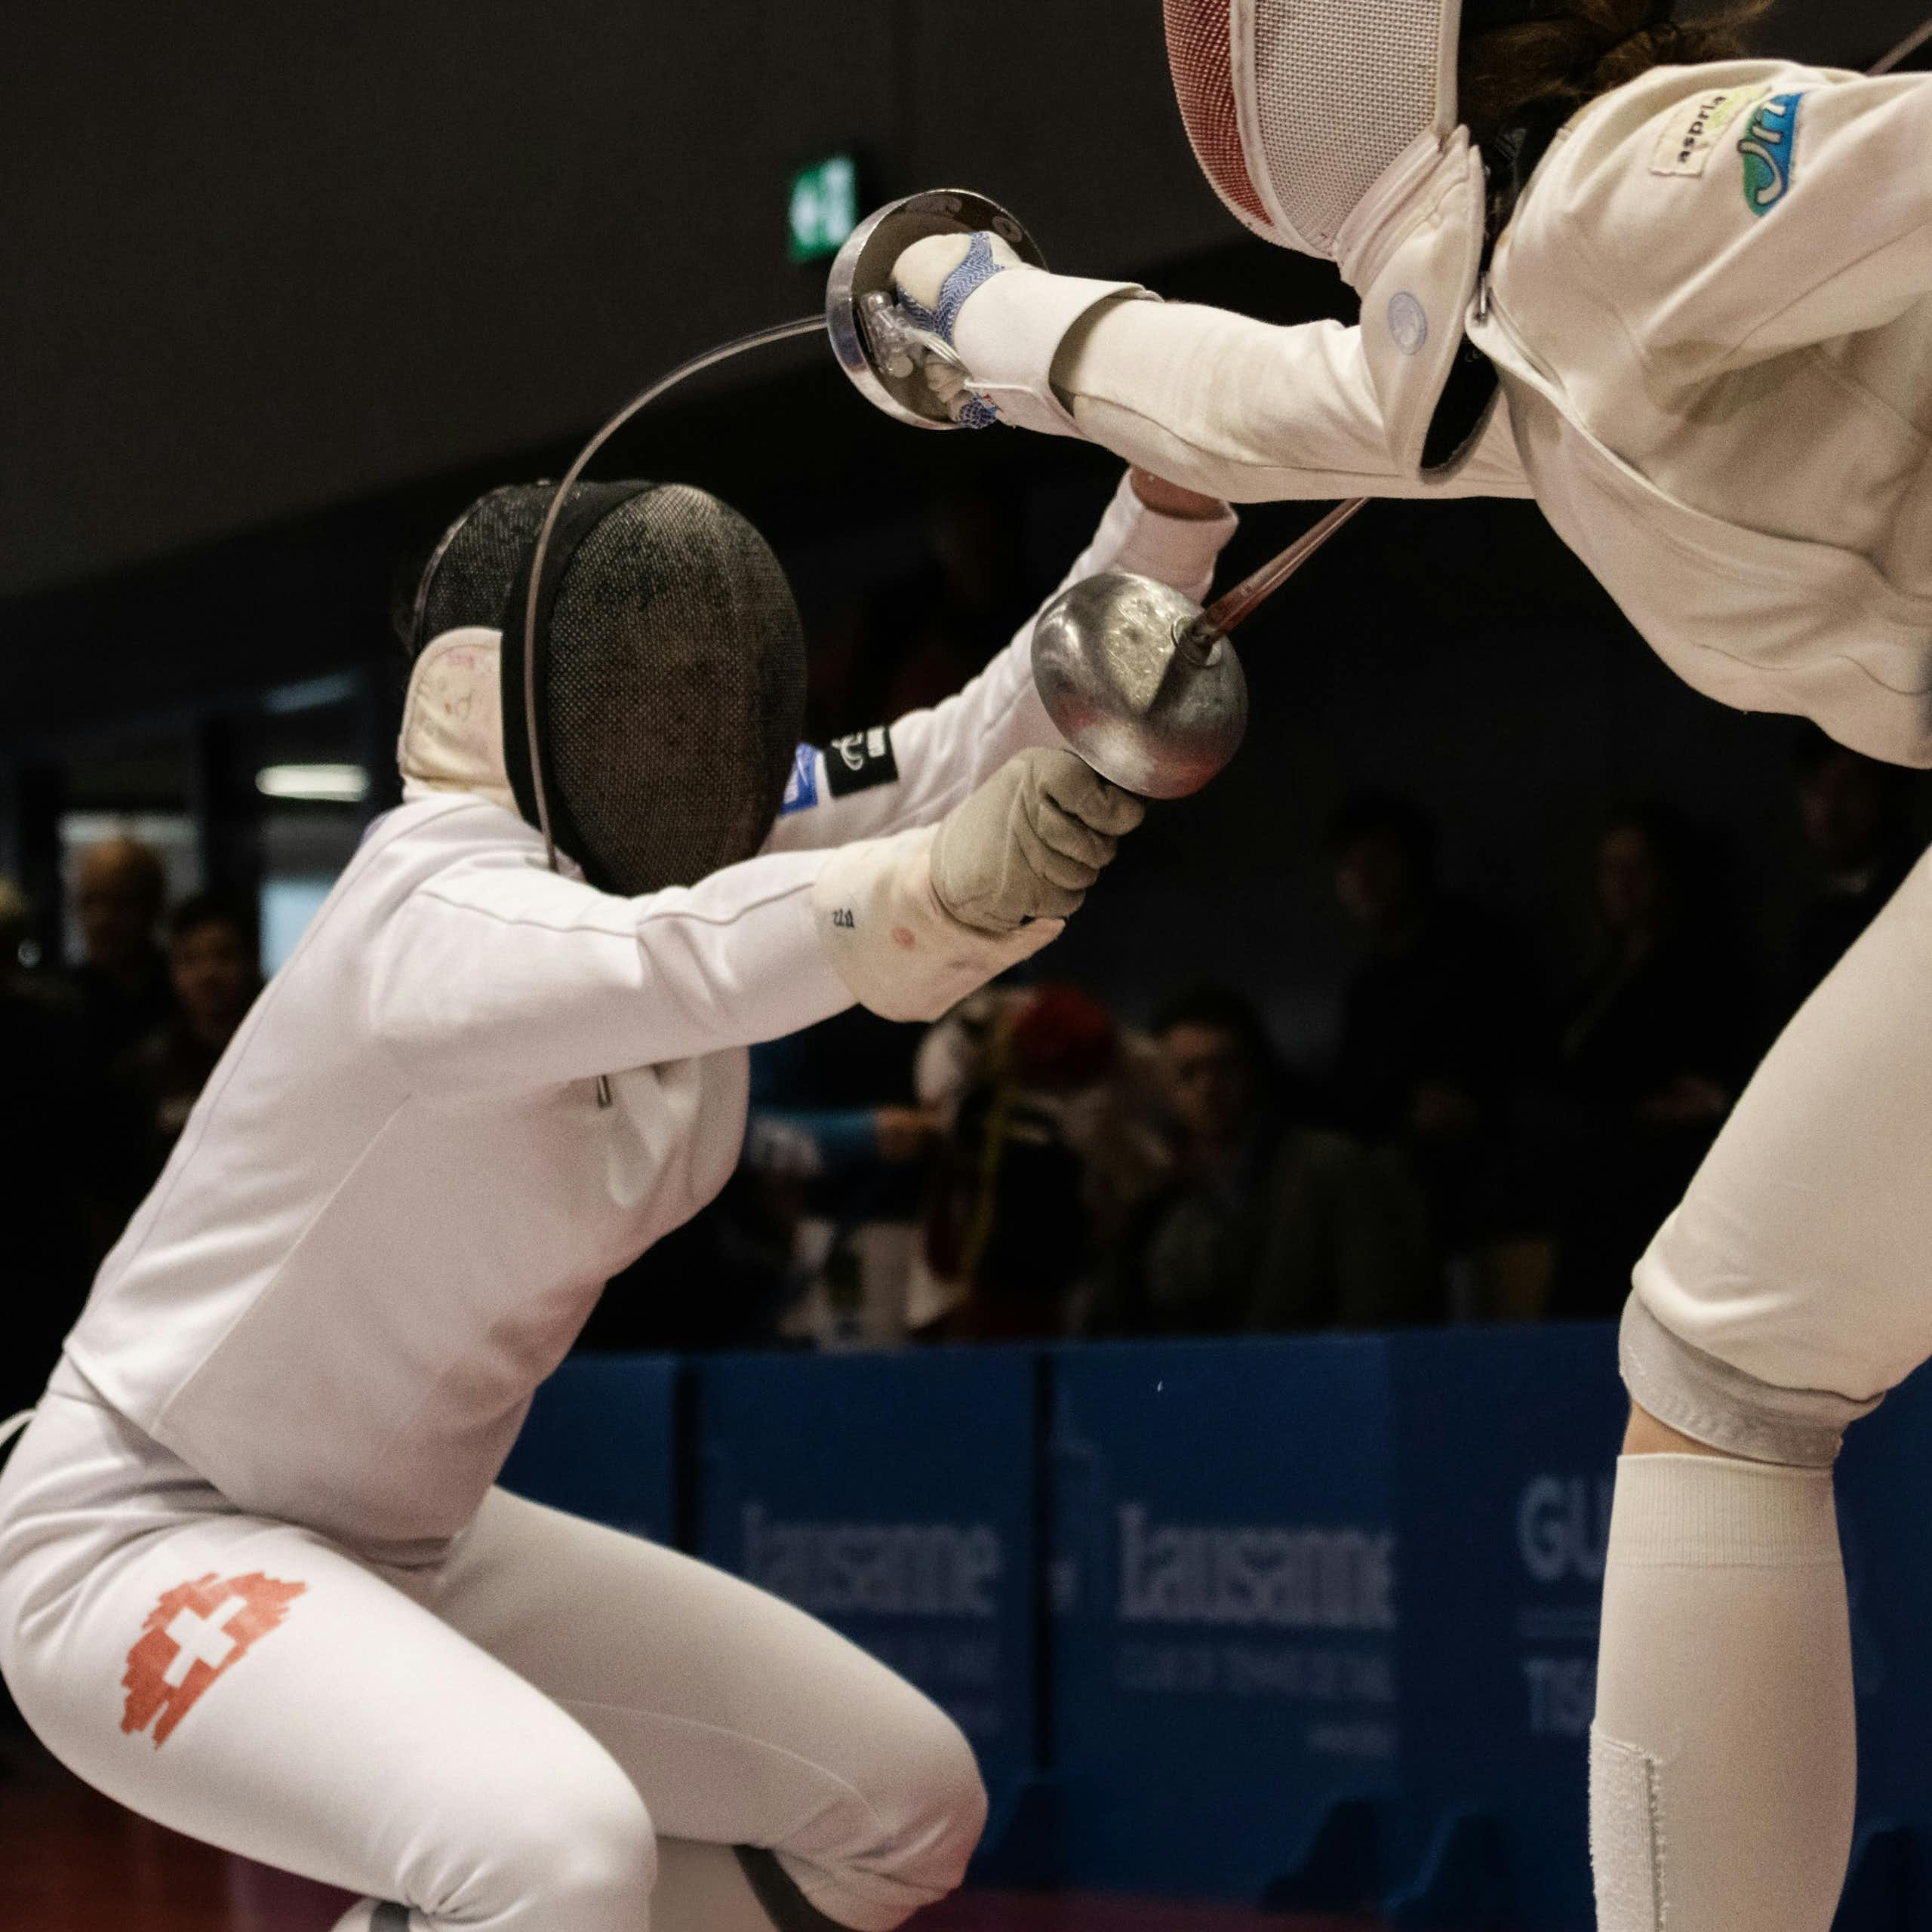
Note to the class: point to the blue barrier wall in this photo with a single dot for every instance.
(1885, 1529)
(600, 1442)
(1224, 1635)
(1505, 1451)
(1312, 1622)
(1326, 1617)
(896, 1497)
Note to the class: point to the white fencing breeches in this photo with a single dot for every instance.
(1778, 1304)
(534, 1735)
(1789, 1291)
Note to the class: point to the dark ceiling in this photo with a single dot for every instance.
(281, 285)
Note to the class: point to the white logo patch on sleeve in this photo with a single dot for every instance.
(1692, 132)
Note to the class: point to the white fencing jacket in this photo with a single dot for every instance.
(1712, 316)
(398, 1199)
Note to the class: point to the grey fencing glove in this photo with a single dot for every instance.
(918, 920)
(1029, 842)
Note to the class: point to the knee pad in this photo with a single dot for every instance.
(1692, 1392)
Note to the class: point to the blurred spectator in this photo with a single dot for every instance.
(1049, 1109)
(1436, 1027)
(1271, 1221)
(1269, 1224)
(1852, 811)
(214, 970)
(812, 1240)
(53, 1101)
(17, 948)
(719, 1282)
(1659, 1040)
(834, 1134)
(917, 638)
(119, 889)
(808, 1143)
(953, 617)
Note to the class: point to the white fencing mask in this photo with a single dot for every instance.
(1297, 108)
(1330, 126)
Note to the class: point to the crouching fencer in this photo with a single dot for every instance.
(1703, 283)
(255, 1582)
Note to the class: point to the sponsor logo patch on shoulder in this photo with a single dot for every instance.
(801, 787)
(1690, 133)
(858, 761)
(1766, 149)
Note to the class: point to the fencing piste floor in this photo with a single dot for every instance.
(70, 1861)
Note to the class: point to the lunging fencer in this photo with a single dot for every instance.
(1703, 283)
(255, 1581)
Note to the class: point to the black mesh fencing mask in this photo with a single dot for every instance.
(667, 666)
(467, 580)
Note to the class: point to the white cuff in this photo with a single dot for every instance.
(1008, 331)
(900, 952)
(1179, 551)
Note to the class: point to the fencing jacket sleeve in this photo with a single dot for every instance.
(1713, 217)
(915, 770)
(494, 973)
(1243, 409)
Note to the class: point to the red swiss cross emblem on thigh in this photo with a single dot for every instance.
(197, 1632)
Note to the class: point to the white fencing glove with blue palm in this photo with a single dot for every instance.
(933, 278)
(999, 345)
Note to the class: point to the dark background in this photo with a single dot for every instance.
(282, 291)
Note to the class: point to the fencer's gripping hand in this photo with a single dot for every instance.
(915, 922)
(933, 279)
(1029, 843)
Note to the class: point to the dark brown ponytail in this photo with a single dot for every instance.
(1526, 62)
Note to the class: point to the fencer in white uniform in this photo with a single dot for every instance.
(1705, 289)
(255, 1581)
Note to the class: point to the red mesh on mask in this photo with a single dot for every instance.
(1198, 58)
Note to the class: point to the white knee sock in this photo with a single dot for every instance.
(1722, 1760)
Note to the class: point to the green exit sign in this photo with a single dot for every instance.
(824, 208)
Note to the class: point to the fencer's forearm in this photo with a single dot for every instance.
(1243, 410)
(1239, 409)
(1180, 551)
(497, 975)
(1223, 403)
(942, 753)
